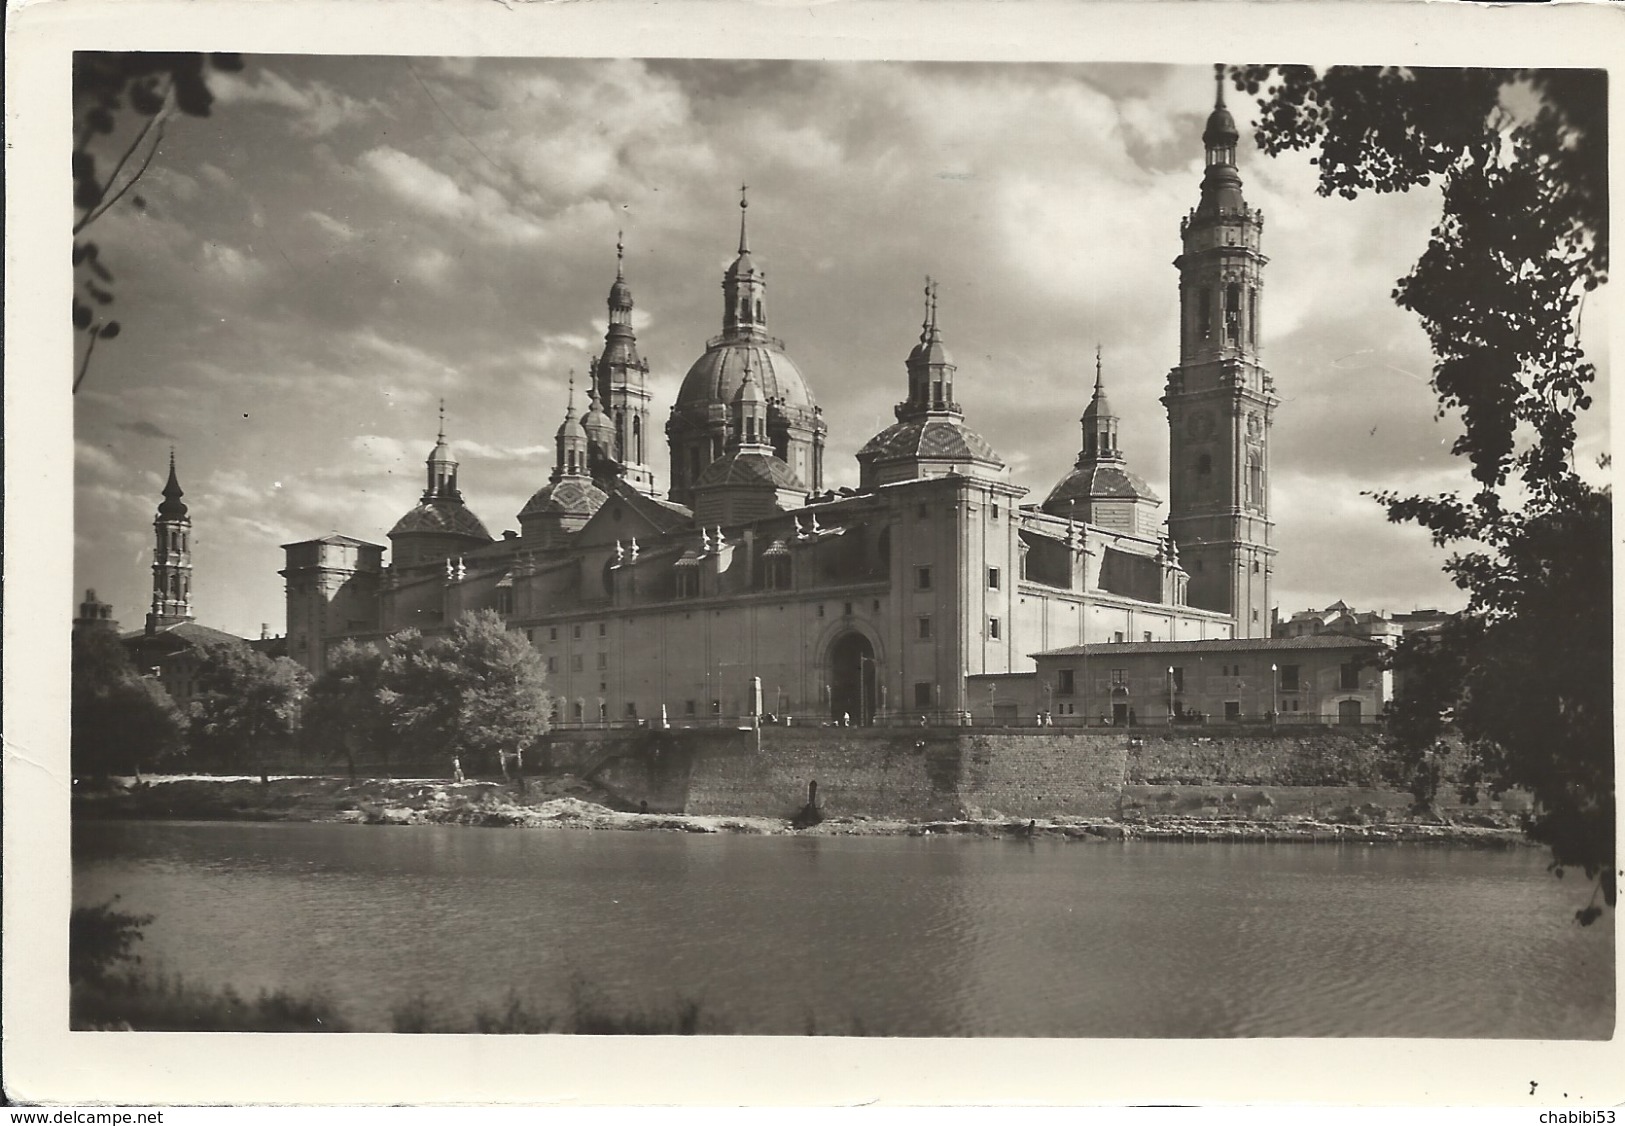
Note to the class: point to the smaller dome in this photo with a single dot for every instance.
(441, 517)
(620, 294)
(597, 425)
(568, 497)
(1221, 129)
(750, 467)
(1104, 481)
(571, 427)
(932, 438)
(743, 266)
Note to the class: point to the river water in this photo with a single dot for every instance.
(893, 935)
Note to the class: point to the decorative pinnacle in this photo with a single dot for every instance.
(442, 435)
(744, 203)
(620, 254)
(1100, 384)
(570, 403)
(925, 325)
(1218, 85)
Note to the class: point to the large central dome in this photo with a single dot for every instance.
(716, 376)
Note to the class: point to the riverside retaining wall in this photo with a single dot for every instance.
(867, 772)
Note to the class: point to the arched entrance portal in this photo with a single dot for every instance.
(851, 672)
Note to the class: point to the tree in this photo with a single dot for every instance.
(478, 692)
(1525, 674)
(121, 721)
(154, 85)
(344, 712)
(244, 704)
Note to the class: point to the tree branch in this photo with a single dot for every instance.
(158, 119)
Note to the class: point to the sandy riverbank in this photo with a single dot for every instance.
(564, 802)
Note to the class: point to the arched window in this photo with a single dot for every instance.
(1255, 480)
(620, 435)
(1204, 311)
(1232, 313)
(637, 440)
(758, 310)
(1252, 315)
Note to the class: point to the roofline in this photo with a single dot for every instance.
(1213, 644)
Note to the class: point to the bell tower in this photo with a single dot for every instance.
(1220, 400)
(171, 558)
(620, 379)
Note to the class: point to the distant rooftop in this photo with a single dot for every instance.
(1215, 645)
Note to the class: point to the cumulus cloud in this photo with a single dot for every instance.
(317, 109)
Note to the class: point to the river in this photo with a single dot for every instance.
(893, 935)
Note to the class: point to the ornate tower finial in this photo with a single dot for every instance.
(744, 243)
(570, 400)
(442, 435)
(620, 253)
(1100, 383)
(1218, 82)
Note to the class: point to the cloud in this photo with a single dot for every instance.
(146, 429)
(317, 108)
(436, 194)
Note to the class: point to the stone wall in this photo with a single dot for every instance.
(1282, 756)
(869, 772)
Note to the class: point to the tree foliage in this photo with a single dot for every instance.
(244, 705)
(121, 721)
(1525, 674)
(344, 714)
(476, 692)
(153, 86)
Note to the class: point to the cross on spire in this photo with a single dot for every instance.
(1099, 382)
(620, 253)
(442, 418)
(744, 203)
(1218, 85)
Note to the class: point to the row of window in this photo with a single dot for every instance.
(1289, 677)
(576, 662)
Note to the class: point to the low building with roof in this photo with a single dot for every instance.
(1317, 678)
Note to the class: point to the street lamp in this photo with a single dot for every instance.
(1275, 689)
(1170, 693)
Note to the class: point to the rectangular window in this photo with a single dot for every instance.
(1289, 678)
(576, 633)
(1117, 637)
(1119, 678)
(1349, 681)
(552, 664)
(688, 707)
(1204, 311)
(553, 633)
(993, 578)
(995, 510)
(575, 663)
(922, 578)
(993, 629)
(603, 660)
(631, 711)
(848, 610)
(924, 625)
(575, 711)
(1232, 709)
(505, 600)
(1065, 685)
(1179, 679)
(820, 609)
(603, 629)
(1146, 636)
(922, 694)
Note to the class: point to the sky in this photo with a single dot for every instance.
(347, 240)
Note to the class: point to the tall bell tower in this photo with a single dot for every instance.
(171, 558)
(1221, 402)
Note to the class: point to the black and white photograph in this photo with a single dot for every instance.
(625, 542)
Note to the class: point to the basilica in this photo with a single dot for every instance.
(748, 586)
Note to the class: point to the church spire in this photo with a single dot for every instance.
(442, 466)
(1099, 422)
(171, 558)
(930, 368)
(744, 287)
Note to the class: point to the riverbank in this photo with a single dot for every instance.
(566, 802)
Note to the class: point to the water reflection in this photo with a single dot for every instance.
(908, 936)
